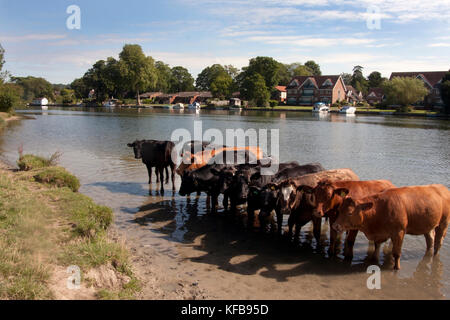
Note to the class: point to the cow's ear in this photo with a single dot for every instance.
(342, 192)
(366, 206)
(131, 145)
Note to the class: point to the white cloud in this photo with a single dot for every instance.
(32, 37)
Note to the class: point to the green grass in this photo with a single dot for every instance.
(41, 228)
(59, 177)
(30, 161)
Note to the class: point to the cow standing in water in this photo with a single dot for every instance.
(158, 154)
(417, 210)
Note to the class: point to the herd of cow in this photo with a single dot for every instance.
(306, 193)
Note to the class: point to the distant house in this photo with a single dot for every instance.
(353, 96)
(280, 94)
(187, 97)
(203, 97)
(39, 102)
(235, 102)
(432, 81)
(150, 95)
(375, 96)
(307, 90)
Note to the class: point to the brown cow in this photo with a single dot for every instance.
(328, 196)
(195, 161)
(294, 201)
(395, 212)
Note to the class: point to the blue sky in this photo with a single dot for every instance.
(414, 35)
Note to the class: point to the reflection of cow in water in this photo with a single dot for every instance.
(156, 154)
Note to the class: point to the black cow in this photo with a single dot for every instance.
(158, 154)
(266, 194)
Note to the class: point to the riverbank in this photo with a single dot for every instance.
(44, 230)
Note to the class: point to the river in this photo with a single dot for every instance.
(224, 259)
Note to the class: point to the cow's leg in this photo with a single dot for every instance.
(214, 203)
(441, 231)
(279, 222)
(167, 175)
(149, 170)
(333, 235)
(397, 242)
(317, 226)
(298, 228)
(291, 226)
(208, 201)
(225, 201)
(161, 175)
(376, 253)
(429, 238)
(251, 218)
(349, 243)
(172, 169)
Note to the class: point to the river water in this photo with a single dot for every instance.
(407, 151)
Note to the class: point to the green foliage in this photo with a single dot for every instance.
(313, 67)
(267, 67)
(181, 80)
(221, 86)
(273, 103)
(347, 77)
(375, 79)
(34, 88)
(137, 70)
(359, 82)
(59, 177)
(254, 89)
(9, 97)
(164, 75)
(445, 92)
(404, 90)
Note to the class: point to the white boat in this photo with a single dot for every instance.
(178, 106)
(194, 106)
(320, 107)
(44, 107)
(111, 103)
(347, 110)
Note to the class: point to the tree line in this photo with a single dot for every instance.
(135, 73)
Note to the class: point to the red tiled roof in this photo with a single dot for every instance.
(317, 80)
(281, 88)
(433, 77)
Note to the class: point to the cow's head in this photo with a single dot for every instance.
(225, 177)
(137, 148)
(288, 197)
(327, 197)
(269, 197)
(240, 185)
(189, 184)
(351, 214)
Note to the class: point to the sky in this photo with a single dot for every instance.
(380, 35)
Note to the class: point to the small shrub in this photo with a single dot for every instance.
(273, 103)
(58, 177)
(29, 162)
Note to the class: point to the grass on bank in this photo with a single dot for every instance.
(42, 227)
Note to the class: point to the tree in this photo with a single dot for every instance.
(95, 78)
(302, 70)
(34, 87)
(138, 70)
(266, 67)
(9, 96)
(404, 91)
(445, 92)
(68, 95)
(208, 75)
(181, 80)
(164, 77)
(358, 81)
(375, 79)
(232, 71)
(313, 67)
(254, 89)
(221, 86)
(81, 90)
(347, 77)
(2, 62)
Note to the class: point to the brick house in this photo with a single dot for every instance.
(432, 81)
(307, 90)
(375, 96)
